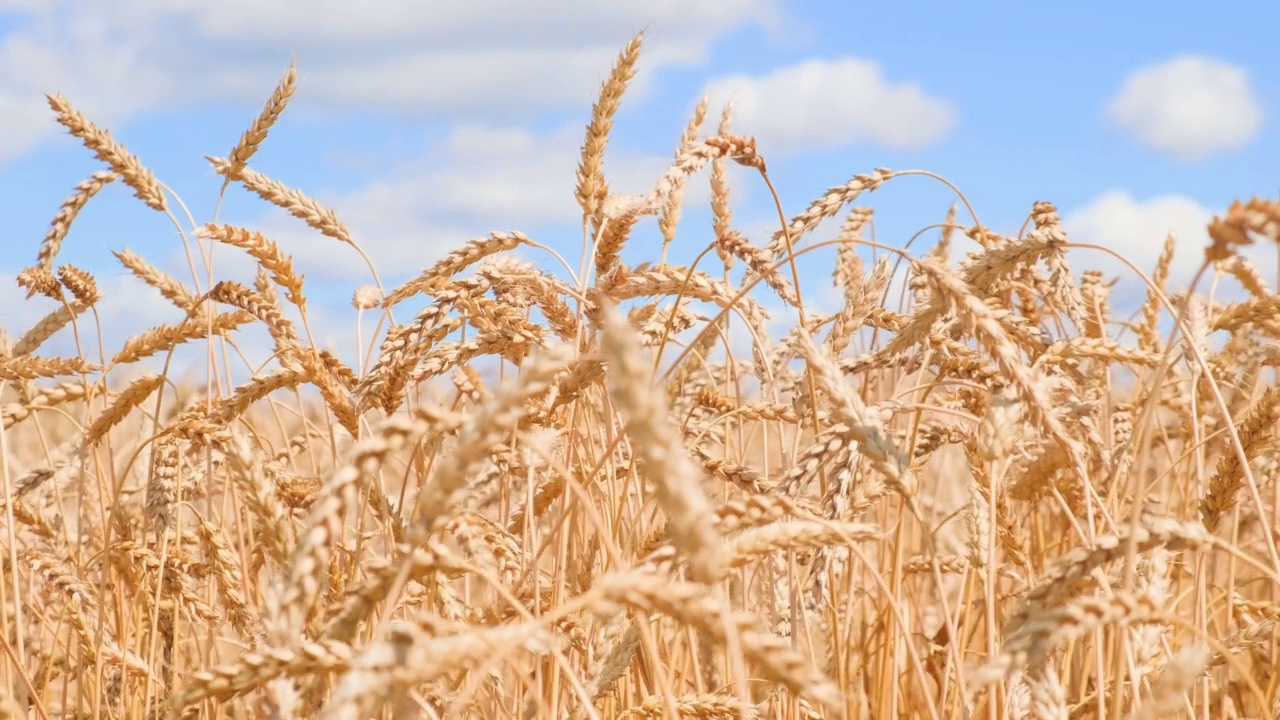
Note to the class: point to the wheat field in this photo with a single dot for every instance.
(621, 491)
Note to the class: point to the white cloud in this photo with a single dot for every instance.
(827, 103)
(83, 63)
(1189, 107)
(1136, 229)
(418, 59)
(547, 23)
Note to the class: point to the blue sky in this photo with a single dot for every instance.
(425, 124)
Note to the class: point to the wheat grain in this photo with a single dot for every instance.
(131, 170)
(257, 132)
(592, 189)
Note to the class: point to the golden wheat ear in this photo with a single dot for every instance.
(131, 170)
(253, 138)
